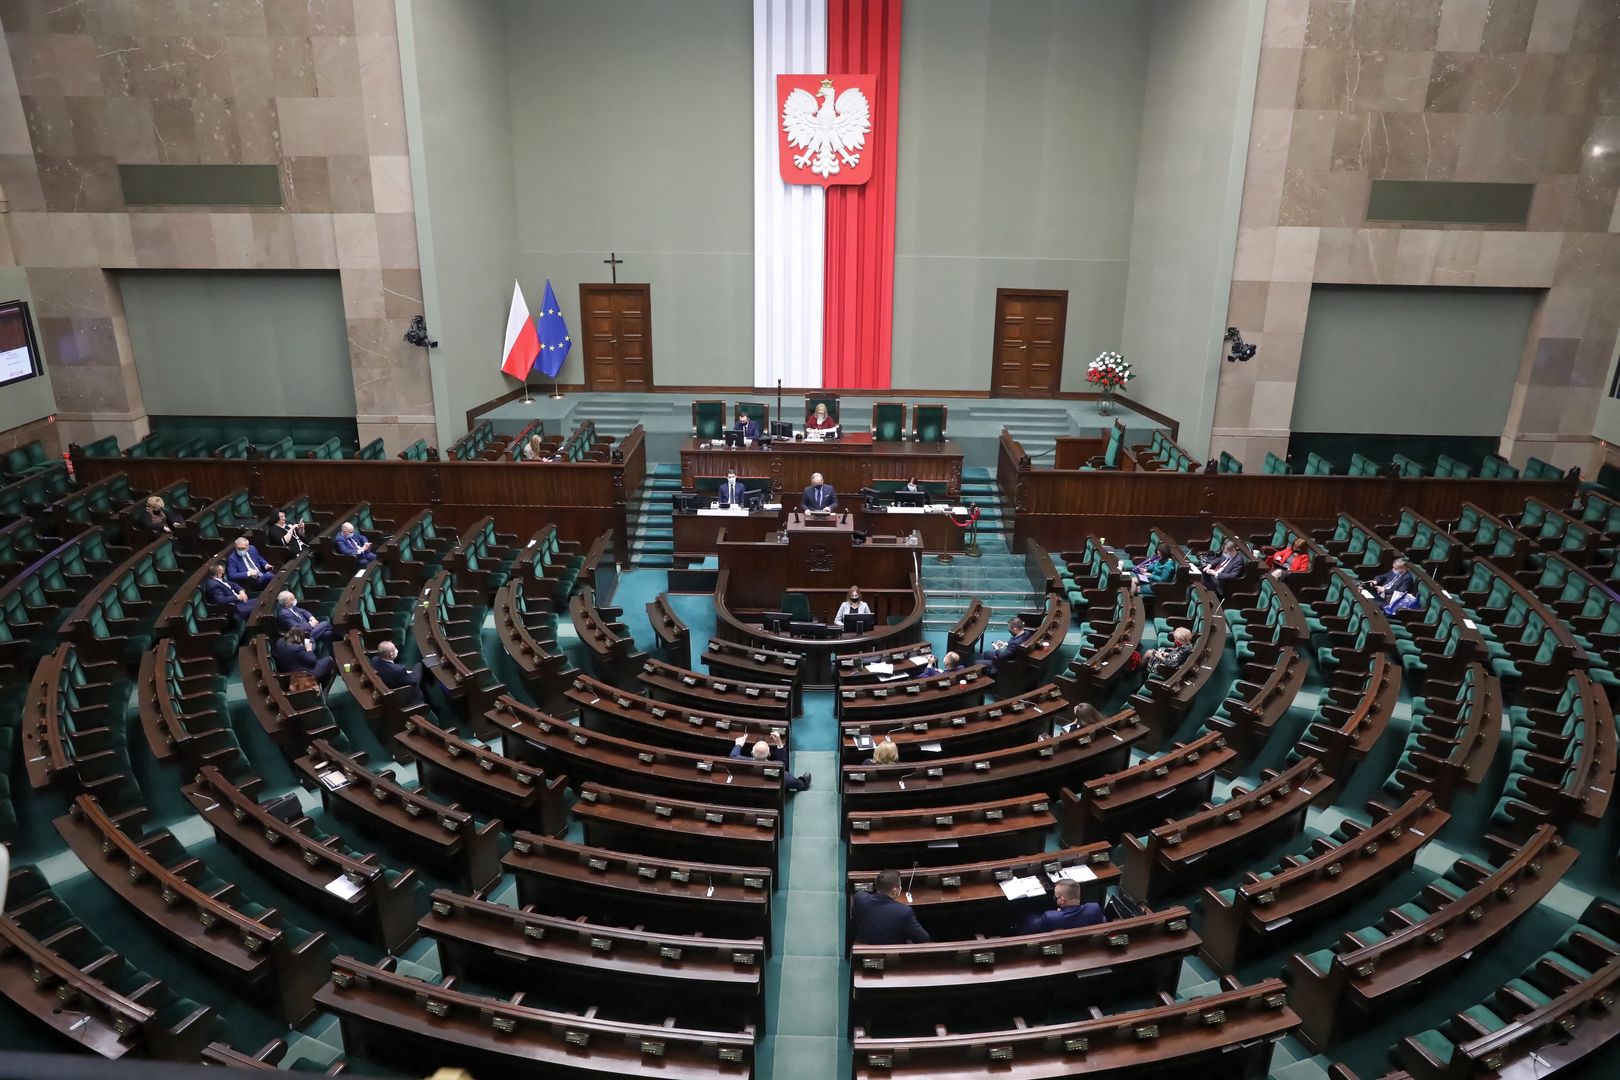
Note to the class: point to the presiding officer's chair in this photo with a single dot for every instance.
(1109, 458)
(821, 397)
(888, 421)
(758, 412)
(708, 419)
(928, 423)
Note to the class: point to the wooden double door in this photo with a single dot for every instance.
(1028, 355)
(616, 336)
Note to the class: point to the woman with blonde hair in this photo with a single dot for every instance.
(884, 753)
(155, 517)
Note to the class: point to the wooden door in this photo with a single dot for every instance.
(1028, 356)
(617, 336)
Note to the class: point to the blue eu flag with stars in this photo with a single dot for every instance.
(552, 329)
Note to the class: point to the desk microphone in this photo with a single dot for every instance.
(710, 878)
(727, 772)
(903, 778)
(909, 879)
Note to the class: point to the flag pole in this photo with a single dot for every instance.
(556, 394)
(528, 398)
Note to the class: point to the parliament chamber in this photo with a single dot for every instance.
(1085, 543)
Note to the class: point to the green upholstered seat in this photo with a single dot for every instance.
(888, 421)
(708, 419)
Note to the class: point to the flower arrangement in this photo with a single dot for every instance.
(1109, 372)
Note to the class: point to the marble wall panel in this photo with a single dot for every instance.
(1524, 91)
(313, 86)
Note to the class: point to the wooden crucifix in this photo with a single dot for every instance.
(613, 261)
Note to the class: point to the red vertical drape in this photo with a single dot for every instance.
(863, 38)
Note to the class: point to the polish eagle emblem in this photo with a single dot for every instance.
(826, 136)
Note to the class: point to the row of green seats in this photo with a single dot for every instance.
(1555, 530)
(35, 602)
(1496, 467)
(1229, 464)
(470, 445)
(482, 558)
(1425, 541)
(1516, 635)
(22, 460)
(1362, 465)
(104, 447)
(34, 492)
(1490, 536)
(1275, 466)
(1562, 757)
(1263, 624)
(149, 1018)
(1355, 545)
(417, 451)
(77, 711)
(1536, 469)
(1317, 465)
(114, 621)
(1557, 989)
(156, 445)
(1435, 755)
(100, 502)
(1601, 513)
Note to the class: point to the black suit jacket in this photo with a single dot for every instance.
(219, 592)
(826, 500)
(1397, 582)
(735, 494)
(291, 658)
(883, 920)
(396, 676)
(749, 430)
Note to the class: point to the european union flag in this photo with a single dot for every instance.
(552, 329)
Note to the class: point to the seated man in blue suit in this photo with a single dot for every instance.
(294, 652)
(395, 675)
(290, 616)
(882, 917)
(1002, 651)
(219, 593)
(349, 542)
(1223, 570)
(748, 429)
(247, 568)
(732, 491)
(819, 495)
(1071, 913)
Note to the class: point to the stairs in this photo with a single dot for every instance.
(652, 536)
(997, 577)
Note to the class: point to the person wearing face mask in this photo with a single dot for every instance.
(852, 606)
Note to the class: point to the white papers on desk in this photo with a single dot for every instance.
(1075, 873)
(1470, 624)
(931, 748)
(334, 779)
(879, 667)
(342, 888)
(961, 510)
(728, 511)
(891, 678)
(1367, 594)
(1020, 887)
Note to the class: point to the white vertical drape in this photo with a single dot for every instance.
(790, 37)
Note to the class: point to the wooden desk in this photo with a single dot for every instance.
(697, 534)
(818, 554)
(848, 464)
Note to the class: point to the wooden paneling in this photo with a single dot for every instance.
(583, 499)
(848, 465)
(1052, 506)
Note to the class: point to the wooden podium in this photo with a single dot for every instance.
(815, 555)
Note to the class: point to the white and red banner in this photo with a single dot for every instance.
(826, 128)
(522, 343)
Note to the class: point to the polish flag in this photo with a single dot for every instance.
(522, 344)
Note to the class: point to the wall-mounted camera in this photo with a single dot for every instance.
(418, 334)
(1241, 352)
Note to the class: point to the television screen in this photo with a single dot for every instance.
(19, 356)
(859, 624)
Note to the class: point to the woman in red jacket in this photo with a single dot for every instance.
(1294, 559)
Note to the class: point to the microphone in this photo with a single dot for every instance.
(909, 879)
(903, 778)
(727, 772)
(710, 878)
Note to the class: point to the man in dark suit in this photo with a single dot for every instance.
(219, 593)
(1071, 913)
(1002, 651)
(290, 616)
(1223, 570)
(395, 675)
(732, 491)
(820, 494)
(748, 429)
(350, 542)
(249, 570)
(774, 750)
(882, 917)
(1398, 579)
(294, 652)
